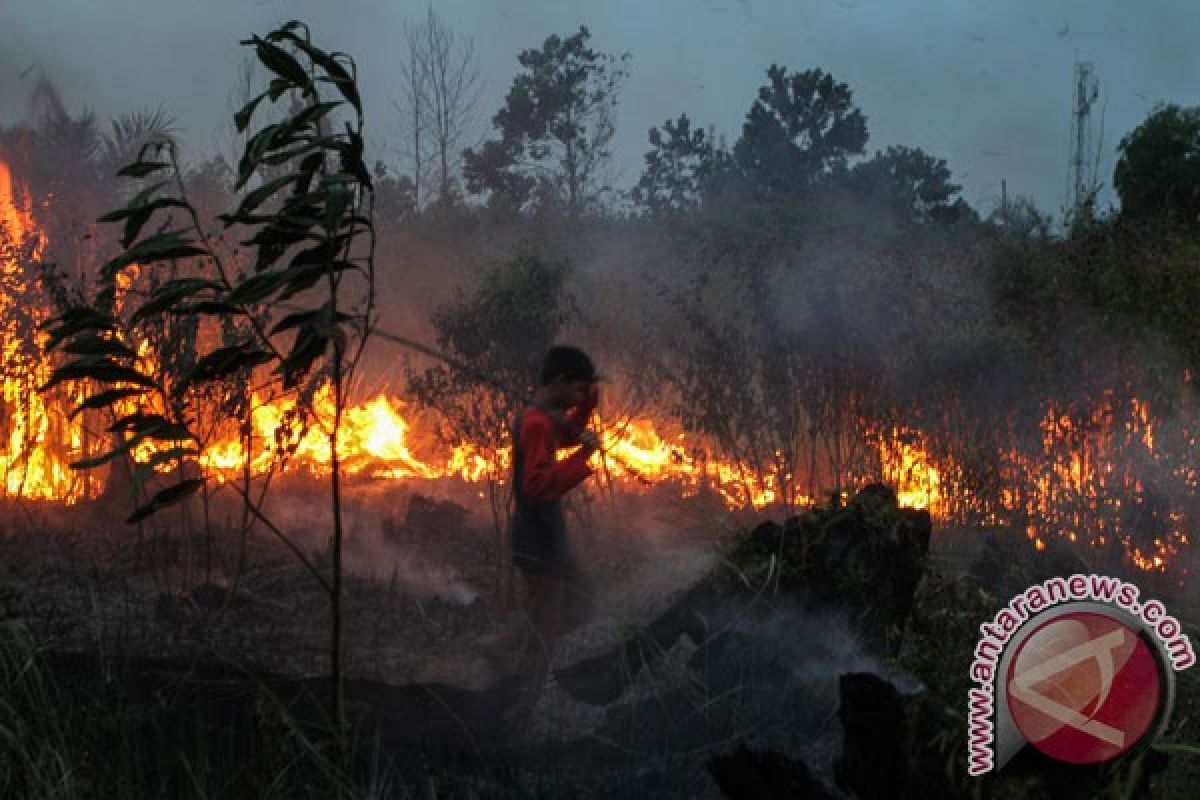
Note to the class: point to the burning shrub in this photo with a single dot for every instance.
(498, 335)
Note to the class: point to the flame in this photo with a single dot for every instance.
(30, 466)
(908, 466)
(1078, 482)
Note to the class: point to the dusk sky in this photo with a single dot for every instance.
(985, 85)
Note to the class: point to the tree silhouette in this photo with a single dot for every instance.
(908, 182)
(555, 128)
(1157, 175)
(682, 164)
(802, 128)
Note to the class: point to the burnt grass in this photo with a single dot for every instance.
(824, 655)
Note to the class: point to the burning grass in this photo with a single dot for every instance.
(1110, 471)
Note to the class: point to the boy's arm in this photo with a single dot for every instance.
(543, 478)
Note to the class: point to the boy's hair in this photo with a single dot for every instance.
(567, 362)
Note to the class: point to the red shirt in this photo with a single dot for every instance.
(544, 479)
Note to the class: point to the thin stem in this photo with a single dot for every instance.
(258, 514)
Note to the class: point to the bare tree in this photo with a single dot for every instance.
(412, 107)
(441, 87)
(454, 87)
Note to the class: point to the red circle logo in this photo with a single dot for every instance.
(1083, 688)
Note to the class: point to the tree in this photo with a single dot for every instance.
(452, 89)
(907, 181)
(802, 128)
(555, 128)
(1157, 175)
(441, 86)
(682, 164)
(305, 308)
(413, 107)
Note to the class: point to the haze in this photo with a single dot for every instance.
(987, 86)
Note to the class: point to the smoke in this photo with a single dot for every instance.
(368, 551)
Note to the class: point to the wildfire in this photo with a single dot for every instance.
(908, 466)
(28, 467)
(1081, 485)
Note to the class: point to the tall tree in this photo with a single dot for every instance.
(907, 181)
(555, 127)
(681, 165)
(1157, 175)
(802, 128)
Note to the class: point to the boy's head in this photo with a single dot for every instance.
(567, 375)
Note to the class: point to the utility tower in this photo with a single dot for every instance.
(1082, 175)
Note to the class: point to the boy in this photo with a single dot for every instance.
(556, 419)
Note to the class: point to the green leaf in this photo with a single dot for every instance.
(304, 278)
(224, 361)
(151, 426)
(106, 399)
(343, 80)
(308, 347)
(252, 154)
(308, 168)
(145, 470)
(281, 62)
(165, 498)
(313, 114)
(328, 62)
(324, 252)
(159, 247)
(321, 318)
(339, 200)
(257, 288)
(242, 118)
(140, 169)
(277, 88)
(74, 321)
(167, 296)
(137, 202)
(294, 320)
(137, 216)
(97, 369)
(274, 240)
(282, 156)
(213, 307)
(94, 345)
(138, 422)
(263, 193)
(116, 452)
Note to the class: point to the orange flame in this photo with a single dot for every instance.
(29, 465)
(1073, 488)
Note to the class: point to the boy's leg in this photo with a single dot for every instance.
(545, 606)
(577, 599)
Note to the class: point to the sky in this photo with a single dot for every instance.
(985, 85)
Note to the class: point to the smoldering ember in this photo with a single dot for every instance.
(421, 442)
